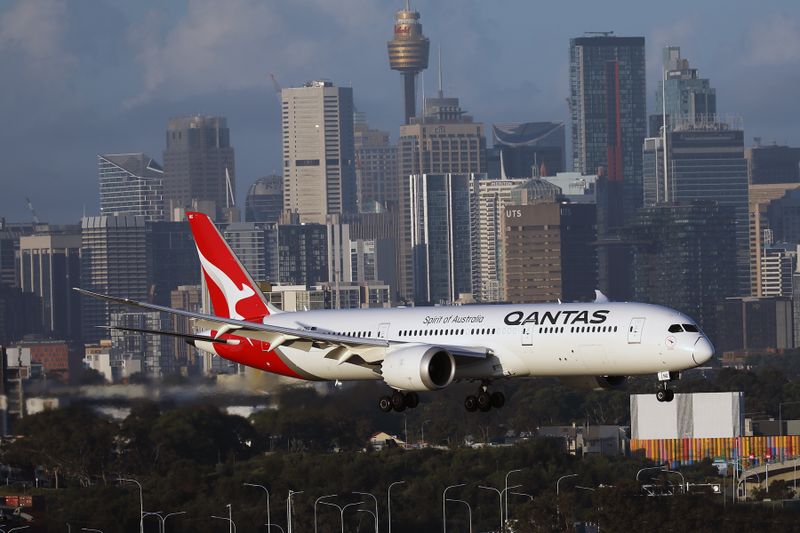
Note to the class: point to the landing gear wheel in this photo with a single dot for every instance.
(670, 395)
(412, 400)
(385, 404)
(399, 401)
(471, 403)
(498, 399)
(484, 401)
(662, 395)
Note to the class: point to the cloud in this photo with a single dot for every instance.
(33, 32)
(774, 41)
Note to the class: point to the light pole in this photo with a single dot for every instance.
(500, 495)
(374, 517)
(558, 482)
(342, 509)
(683, 480)
(20, 528)
(229, 519)
(524, 495)
(86, 529)
(660, 467)
(315, 508)
(505, 497)
(266, 491)
(376, 505)
(164, 519)
(444, 504)
(289, 509)
(141, 502)
(422, 430)
(469, 510)
(153, 513)
(389, 500)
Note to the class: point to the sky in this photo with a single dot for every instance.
(87, 77)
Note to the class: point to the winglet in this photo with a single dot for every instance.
(599, 297)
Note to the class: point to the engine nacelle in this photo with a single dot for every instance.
(418, 368)
(595, 382)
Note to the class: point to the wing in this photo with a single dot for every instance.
(370, 350)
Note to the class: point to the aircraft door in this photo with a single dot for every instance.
(527, 334)
(635, 331)
(383, 330)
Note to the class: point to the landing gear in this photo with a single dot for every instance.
(398, 401)
(664, 393)
(485, 400)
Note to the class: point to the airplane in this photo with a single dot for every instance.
(418, 349)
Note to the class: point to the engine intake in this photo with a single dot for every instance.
(418, 368)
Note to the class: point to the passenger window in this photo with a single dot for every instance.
(675, 328)
(691, 328)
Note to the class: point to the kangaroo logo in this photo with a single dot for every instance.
(233, 294)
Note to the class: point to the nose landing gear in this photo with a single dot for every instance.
(664, 393)
(398, 401)
(485, 400)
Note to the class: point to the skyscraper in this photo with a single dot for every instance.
(609, 124)
(50, 266)
(704, 162)
(131, 184)
(171, 259)
(687, 97)
(440, 234)
(376, 170)
(773, 164)
(318, 152)
(196, 159)
(264, 202)
(444, 140)
(408, 53)
(113, 262)
(525, 146)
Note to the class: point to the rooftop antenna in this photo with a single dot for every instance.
(502, 167)
(441, 93)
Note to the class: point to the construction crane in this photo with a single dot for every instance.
(32, 210)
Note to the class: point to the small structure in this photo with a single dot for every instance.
(382, 439)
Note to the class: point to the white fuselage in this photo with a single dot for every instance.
(564, 339)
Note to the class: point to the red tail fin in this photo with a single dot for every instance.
(233, 292)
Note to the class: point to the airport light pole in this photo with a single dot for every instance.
(141, 501)
(500, 495)
(164, 519)
(289, 509)
(660, 467)
(342, 509)
(229, 519)
(315, 507)
(389, 500)
(444, 504)
(266, 491)
(558, 483)
(505, 490)
(85, 529)
(469, 510)
(376, 505)
(153, 513)
(374, 516)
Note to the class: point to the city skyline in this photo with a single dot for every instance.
(105, 77)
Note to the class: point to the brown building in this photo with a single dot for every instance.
(759, 198)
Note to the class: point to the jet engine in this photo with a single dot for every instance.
(595, 382)
(418, 368)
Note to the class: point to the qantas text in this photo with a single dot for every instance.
(515, 318)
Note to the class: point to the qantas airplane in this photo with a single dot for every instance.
(419, 349)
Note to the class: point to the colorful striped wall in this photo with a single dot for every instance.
(752, 450)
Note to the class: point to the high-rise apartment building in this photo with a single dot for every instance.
(440, 236)
(247, 240)
(264, 202)
(778, 264)
(488, 198)
(376, 170)
(760, 201)
(113, 262)
(681, 94)
(318, 152)
(157, 352)
(199, 170)
(609, 124)
(444, 140)
(704, 163)
(50, 266)
(131, 184)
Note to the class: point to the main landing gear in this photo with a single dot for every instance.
(664, 393)
(398, 401)
(485, 400)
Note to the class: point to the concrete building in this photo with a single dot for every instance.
(264, 202)
(548, 254)
(488, 199)
(113, 262)
(248, 242)
(704, 415)
(56, 359)
(131, 184)
(103, 358)
(777, 264)
(196, 160)
(376, 170)
(528, 149)
(156, 352)
(440, 236)
(575, 187)
(171, 259)
(445, 140)
(704, 162)
(773, 164)
(49, 267)
(297, 254)
(318, 151)
(757, 324)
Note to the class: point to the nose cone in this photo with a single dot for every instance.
(703, 350)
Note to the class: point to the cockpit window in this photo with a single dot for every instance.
(675, 328)
(691, 328)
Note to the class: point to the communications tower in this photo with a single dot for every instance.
(408, 53)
